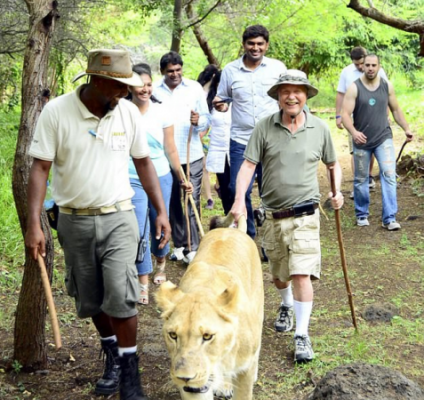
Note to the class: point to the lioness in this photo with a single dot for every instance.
(213, 320)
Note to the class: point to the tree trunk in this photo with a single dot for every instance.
(203, 43)
(177, 32)
(401, 24)
(29, 347)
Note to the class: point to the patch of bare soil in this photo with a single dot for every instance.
(380, 268)
(363, 381)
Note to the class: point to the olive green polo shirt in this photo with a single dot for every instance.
(290, 161)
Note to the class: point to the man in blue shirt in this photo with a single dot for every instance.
(245, 83)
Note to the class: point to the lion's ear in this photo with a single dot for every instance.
(229, 302)
(167, 296)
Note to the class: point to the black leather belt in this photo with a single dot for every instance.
(290, 212)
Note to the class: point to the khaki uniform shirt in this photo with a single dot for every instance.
(90, 155)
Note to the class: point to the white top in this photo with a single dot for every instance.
(90, 155)
(187, 96)
(219, 141)
(350, 74)
(157, 118)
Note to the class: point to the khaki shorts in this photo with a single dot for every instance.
(292, 246)
(100, 252)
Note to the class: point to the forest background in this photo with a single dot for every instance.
(315, 36)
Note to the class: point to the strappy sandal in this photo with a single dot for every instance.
(160, 275)
(144, 298)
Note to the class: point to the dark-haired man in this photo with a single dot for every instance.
(348, 75)
(188, 103)
(245, 82)
(367, 100)
(88, 136)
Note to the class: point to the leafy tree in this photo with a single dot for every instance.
(410, 26)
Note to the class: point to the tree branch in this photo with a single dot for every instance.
(414, 26)
(204, 17)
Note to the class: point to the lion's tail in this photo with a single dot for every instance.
(225, 222)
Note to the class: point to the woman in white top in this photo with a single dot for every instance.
(217, 160)
(159, 125)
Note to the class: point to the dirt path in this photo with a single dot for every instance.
(385, 267)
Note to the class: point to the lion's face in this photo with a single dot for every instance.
(199, 330)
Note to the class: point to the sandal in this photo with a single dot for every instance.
(160, 275)
(144, 298)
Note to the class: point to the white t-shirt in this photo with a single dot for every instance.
(350, 74)
(90, 155)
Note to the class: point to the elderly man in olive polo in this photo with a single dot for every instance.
(87, 136)
(289, 144)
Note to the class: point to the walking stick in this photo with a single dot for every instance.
(401, 149)
(50, 303)
(342, 252)
(190, 132)
(193, 205)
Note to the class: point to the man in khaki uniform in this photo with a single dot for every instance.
(88, 136)
(289, 144)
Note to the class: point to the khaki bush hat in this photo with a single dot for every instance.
(293, 77)
(112, 64)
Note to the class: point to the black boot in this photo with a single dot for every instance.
(130, 388)
(109, 382)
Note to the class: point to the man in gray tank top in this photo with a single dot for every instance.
(367, 99)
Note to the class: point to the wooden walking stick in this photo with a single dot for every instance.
(342, 251)
(193, 205)
(187, 179)
(50, 302)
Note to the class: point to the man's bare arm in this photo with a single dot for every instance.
(244, 177)
(339, 105)
(36, 193)
(398, 114)
(347, 110)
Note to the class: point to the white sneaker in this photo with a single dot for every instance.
(351, 195)
(362, 221)
(302, 349)
(189, 257)
(177, 254)
(371, 182)
(391, 226)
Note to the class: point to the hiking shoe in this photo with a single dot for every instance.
(177, 254)
(130, 388)
(284, 321)
(303, 349)
(371, 182)
(111, 378)
(188, 258)
(391, 226)
(209, 205)
(362, 221)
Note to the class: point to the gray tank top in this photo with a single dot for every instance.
(370, 114)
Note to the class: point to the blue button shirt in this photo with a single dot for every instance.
(248, 91)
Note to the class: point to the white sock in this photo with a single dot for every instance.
(122, 350)
(302, 311)
(286, 296)
(114, 338)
